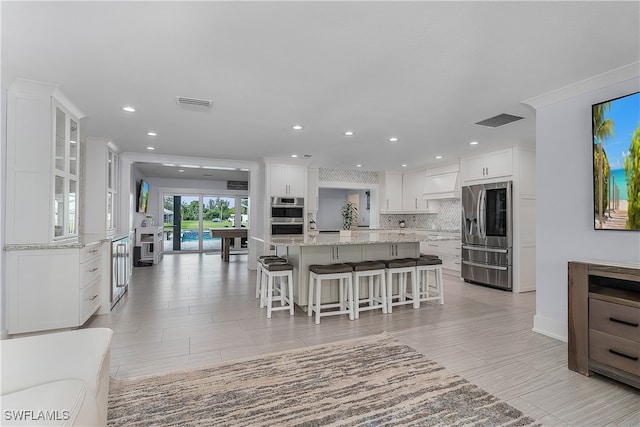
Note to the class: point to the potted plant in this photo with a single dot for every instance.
(349, 213)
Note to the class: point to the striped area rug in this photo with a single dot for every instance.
(373, 381)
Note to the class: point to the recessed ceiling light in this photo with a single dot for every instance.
(294, 155)
(151, 148)
(129, 109)
(180, 170)
(349, 133)
(152, 134)
(438, 157)
(473, 143)
(358, 166)
(297, 127)
(393, 139)
(404, 165)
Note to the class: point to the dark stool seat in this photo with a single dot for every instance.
(330, 268)
(278, 266)
(428, 261)
(366, 265)
(400, 263)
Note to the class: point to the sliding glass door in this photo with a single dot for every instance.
(188, 219)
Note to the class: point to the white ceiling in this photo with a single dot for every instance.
(424, 72)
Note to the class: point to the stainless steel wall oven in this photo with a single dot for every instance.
(287, 215)
(487, 238)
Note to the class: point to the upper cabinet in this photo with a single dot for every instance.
(496, 164)
(43, 167)
(412, 194)
(312, 190)
(100, 187)
(287, 180)
(390, 191)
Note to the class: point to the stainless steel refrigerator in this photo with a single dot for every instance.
(487, 237)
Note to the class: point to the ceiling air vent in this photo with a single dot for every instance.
(499, 120)
(193, 101)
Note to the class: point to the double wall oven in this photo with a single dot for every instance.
(487, 238)
(287, 216)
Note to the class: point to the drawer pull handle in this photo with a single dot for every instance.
(93, 269)
(617, 353)
(96, 296)
(613, 319)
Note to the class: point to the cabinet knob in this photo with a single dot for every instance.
(93, 269)
(93, 297)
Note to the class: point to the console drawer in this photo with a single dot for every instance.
(88, 252)
(616, 319)
(614, 351)
(89, 300)
(89, 271)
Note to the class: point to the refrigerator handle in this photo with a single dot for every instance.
(483, 213)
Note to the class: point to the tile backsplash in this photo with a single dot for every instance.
(447, 218)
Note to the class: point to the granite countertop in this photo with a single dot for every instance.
(358, 238)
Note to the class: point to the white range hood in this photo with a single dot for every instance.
(442, 183)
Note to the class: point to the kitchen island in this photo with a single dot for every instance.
(332, 248)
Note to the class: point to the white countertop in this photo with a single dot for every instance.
(359, 238)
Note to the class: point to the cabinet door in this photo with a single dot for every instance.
(412, 189)
(499, 163)
(278, 180)
(287, 180)
(392, 197)
(43, 290)
(473, 168)
(296, 181)
(346, 253)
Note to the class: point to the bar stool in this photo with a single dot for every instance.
(319, 274)
(424, 265)
(377, 295)
(401, 268)
(274, 273)
(259, 268)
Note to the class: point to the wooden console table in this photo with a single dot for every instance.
(226, 234)
(604, 320)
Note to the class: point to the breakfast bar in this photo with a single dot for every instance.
(332, 248)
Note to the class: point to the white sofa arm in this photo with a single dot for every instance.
(82, 354)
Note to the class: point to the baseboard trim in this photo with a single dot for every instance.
(549, 327)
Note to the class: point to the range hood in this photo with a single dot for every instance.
(442, 183)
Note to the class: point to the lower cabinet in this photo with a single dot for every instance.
(447, 250)
(52, 288)
(303, 257)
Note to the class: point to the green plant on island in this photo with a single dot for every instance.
(632, 172)
(349, 213)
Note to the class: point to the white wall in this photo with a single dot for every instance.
(3, 152)
(564, 225)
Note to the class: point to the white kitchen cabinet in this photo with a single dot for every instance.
(487, 166)
(312, 190)
(99, 176)
(149, 239)
(386, 251)
(287, 180)
(413, 200)
(390, 185)
(447, 250)
(53, 288)
(43, 148)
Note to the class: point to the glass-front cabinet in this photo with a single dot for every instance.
(112, 189)
(43, 164)
(67, 151)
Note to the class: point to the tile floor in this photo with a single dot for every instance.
(193, 310)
